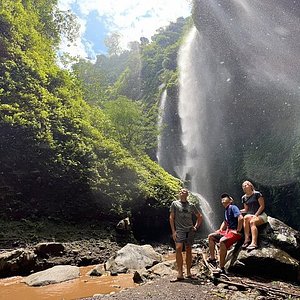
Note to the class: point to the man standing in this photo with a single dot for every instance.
(183, 230)
(229, 232)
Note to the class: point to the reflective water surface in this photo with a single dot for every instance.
(13, 289)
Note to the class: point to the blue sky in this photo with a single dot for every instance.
(131, 18)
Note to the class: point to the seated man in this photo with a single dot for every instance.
(229, 232)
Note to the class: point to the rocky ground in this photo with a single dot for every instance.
(90, 244)
(85, 244)
(233, 288)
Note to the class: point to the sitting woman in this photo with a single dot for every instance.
(254, 206)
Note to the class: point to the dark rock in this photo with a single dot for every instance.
(97, 271)
(113, 273)
(137, 278)
(46, 249)
(277, 255)
(16, 262)
(282, 236)
(124, 226)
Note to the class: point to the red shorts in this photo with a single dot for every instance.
(227, 236)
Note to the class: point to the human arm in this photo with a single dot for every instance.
(245, 209)
(239, 219)
(222, 227)
(239, 225)
(261, 208)
(172, 224)
(199, 220)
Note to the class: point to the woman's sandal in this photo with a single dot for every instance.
(192, 277)
(251, 247)
(246, 244)
(177, 279)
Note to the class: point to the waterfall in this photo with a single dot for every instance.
(160, 124)
(191, 111)
(249, 53)
(193, 86)
(238, 106)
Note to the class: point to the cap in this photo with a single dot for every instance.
(224, 195)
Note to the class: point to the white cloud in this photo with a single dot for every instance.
(132, 18)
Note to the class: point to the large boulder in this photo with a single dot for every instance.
(282, 236)
(53, 275)
(277, 255)
(133, 257)
(16, 262)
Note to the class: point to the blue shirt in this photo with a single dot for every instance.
(232, 213)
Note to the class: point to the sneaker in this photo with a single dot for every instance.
(212, 261)
(219, 271)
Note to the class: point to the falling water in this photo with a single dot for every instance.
(248, 62)
(169, 150)
(239, 98)
(192, 112)
(160, 125)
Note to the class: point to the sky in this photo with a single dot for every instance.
(131, 18)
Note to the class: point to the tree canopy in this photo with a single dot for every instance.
(59, 155)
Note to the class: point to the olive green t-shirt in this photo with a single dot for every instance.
(183, 212)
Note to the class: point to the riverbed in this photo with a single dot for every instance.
(13, 288)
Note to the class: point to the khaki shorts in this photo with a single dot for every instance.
(264, 217)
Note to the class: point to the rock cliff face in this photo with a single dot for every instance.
(248, 57)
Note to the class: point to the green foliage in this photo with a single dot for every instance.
(130, 122)
(162, 185)
(160, 58)
(138, 75)
(112, 42)
(60, 156)
(94, 82)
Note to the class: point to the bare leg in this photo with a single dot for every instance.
(188, 259)
(223, 252)
(179, 259)
(256, 221)
(247, 220)
(211, 243)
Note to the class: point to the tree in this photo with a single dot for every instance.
(94, 82)
(112, 42)
(131, 122)
(144, 40)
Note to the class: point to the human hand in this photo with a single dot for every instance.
(236, 232)
(174, 236)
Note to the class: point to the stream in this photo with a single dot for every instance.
(85, 286)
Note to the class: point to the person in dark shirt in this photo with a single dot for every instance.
(229, 232)
(254, 206)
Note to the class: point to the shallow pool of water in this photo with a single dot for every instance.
(13, 289)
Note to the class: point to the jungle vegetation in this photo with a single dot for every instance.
(79, 143)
